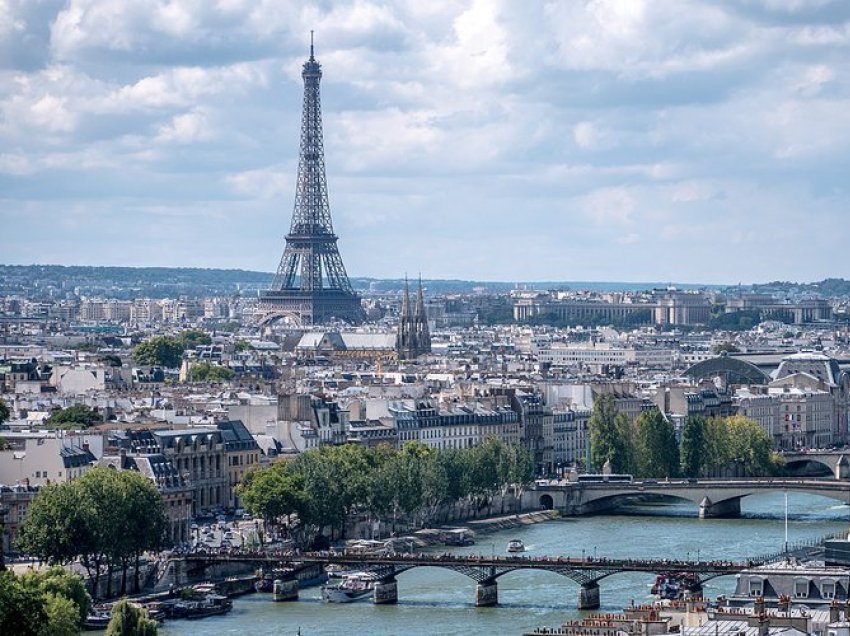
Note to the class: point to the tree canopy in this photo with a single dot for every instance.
(4, 411)
(610, 436)
(128, 620)
(647, 447)
(657, 451)
(324, 485)
(191, 338)
(106, 519)
(75, 416)
(160, 351)
(206, 372)
(50, 601)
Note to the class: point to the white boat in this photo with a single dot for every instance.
(515, 545)
(352, 587)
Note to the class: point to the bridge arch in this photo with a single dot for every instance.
(546, 502)
(274, 316)
(810, 466)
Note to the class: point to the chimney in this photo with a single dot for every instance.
(763, 625)
(758, 609)
(834, 612)
(784, 603)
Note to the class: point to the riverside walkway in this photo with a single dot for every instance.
(484, 570)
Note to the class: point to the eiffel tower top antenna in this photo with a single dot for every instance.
(312, 57)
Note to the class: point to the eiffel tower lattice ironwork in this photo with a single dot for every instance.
(311, 282)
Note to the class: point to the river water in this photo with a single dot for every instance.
(437, 601)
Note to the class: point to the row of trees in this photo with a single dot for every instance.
(647, 446)
(51, 601)
(106, 519)
(325, 485)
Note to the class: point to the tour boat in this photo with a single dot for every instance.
(352, 587)
(515, 545)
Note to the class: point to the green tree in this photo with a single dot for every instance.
(242, 345)
(55, 528)
(692, 448)
(105, 519)
(191, 338)
(129, 620)
(75, 416)
(21, 608)
(609, 435)
(4, 411)
(718, 448)
(111, 360)
(160, 351)
(57, 581)
(753, 447)
(274, 492)
(62, 616)
(656, 447)
(206, 372)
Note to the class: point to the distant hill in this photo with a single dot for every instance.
(161, 282)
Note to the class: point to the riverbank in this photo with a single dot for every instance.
(435, 536)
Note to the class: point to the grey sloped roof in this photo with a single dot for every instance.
(74, 456)
(736, 370)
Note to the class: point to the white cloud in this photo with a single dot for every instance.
(589, 133)
(186, 128)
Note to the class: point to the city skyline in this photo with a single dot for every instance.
(686, 141)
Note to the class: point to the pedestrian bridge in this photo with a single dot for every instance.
(714, 497)
(485, 570)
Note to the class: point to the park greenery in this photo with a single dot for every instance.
(4, 411)
(50, 602)
(74, 417)
(206, 372)
(167, 351)
(647, 446)
(127, 619)
(161, 351)
(106, 520)
(325, 485)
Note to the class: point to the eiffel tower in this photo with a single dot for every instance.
(311, 283)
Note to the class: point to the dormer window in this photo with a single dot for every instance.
(827, 589)
(756, 587)
(801, 588)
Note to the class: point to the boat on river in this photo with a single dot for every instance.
(200, 607)
(516, 545)
(352, 587)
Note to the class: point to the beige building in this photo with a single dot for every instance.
(198, 456)
(242, 455)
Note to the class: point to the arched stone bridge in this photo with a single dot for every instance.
(837, 463)
(715, 497)
(485, 571)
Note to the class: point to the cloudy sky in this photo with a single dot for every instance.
(632, 140)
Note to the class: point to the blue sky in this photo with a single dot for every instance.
(632, 140)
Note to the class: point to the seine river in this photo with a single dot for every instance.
(436, 601)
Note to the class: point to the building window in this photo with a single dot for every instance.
(828, 589)
(801, 589)
(756, 587)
